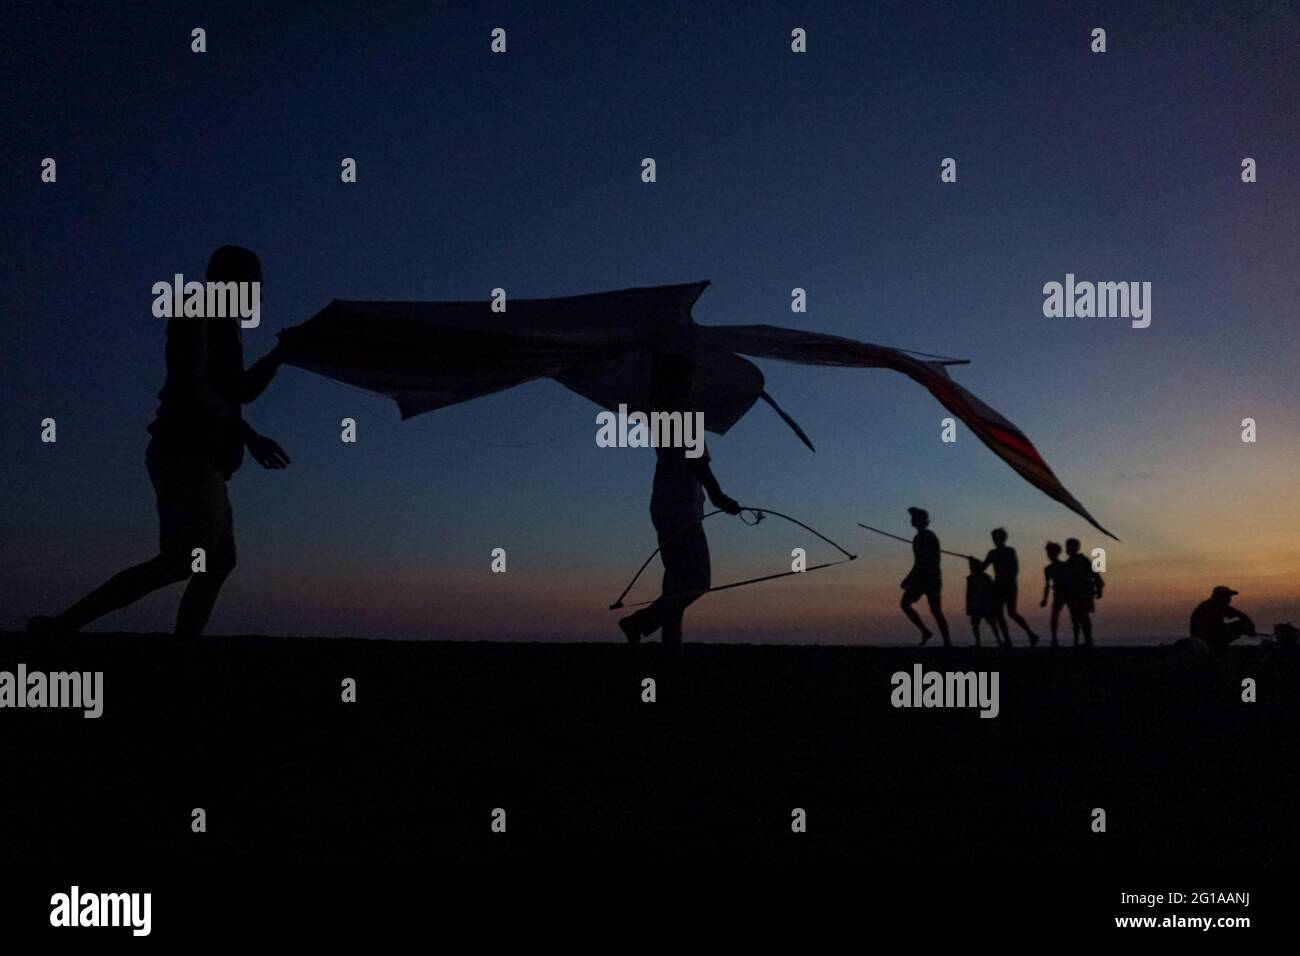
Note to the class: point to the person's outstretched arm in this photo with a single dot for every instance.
(258, 375)
(704, 475)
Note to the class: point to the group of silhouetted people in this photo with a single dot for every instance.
(1072, 584)
(199, 438)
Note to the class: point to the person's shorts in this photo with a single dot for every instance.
(1080, 605)
(685, 557)
(193, 507)
(920, 584)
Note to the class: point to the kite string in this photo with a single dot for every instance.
(758, 513)
(645, 564)
(735, 584)
(896, 537)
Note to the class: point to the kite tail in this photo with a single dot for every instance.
(814, 348)
(1005, 440)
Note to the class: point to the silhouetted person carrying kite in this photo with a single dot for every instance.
(1216, 622)
(1052, 586)
(677, 512)
(924, 580)
(1006, 572)
(199, 437)
(1078, 584)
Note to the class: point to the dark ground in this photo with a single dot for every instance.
(253, 730)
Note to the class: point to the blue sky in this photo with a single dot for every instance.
(775, 170)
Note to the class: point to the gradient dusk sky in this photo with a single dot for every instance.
(775, 170)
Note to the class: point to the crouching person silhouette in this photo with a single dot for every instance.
(198, 443)
(677, 512)
(1216, 622)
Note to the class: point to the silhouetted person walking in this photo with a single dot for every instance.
(1079, 584)
(1216, 622)
(1052, 586)
(982, 604)
(677, 511)
(924, 580)
(198, 443)
(1006, 574)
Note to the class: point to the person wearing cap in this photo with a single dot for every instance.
(924, 580)
(1216, 622)
(198, 441)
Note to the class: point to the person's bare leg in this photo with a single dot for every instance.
(122, 589)
(1085, 624)
(915, 618)
(1014, 614)
(201, 593)
(1056, 622)
(686, 577)
(936, 608)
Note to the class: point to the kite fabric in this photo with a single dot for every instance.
(428, 355)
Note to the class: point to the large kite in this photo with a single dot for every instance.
(428, 355)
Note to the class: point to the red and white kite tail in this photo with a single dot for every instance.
(992, 428)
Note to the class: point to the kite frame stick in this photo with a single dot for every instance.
(759, 513)
(734, 584)
(908, 541)
(619, 602)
